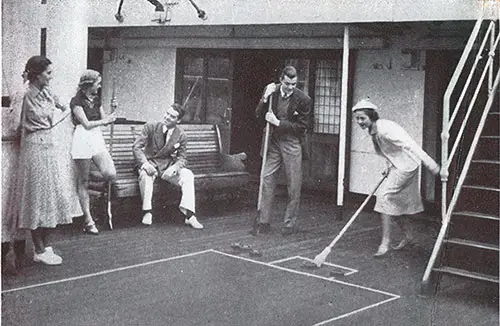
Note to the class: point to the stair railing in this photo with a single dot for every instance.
(446, 159)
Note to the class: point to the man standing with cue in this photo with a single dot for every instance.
(287, 118)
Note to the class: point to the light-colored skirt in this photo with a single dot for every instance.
(87, 143)
(10, 197)
(47, 178)
(400, 194)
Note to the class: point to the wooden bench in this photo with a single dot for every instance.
(214, 171)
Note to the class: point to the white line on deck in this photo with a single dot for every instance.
(105, 272)
(351, 270)
(356, 311)
(307, 274)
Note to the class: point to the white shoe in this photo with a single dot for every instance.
(147, 219)
(193, 221)
(48, 257)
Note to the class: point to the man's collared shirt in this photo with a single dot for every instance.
(284, 95)
(167, 132)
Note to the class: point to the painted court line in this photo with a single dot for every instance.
(108, 271)
(283, 260)
(272, 265)
(391, 295)
(351, 270)
(356, 311)
(308, 274)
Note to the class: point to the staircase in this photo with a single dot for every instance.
(468, 243)
(471, 245)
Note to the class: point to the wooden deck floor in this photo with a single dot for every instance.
(458, 302)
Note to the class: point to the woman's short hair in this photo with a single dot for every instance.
(88, 78)
(35, 66)
(179, 108)
(289, 71)
(370, 113)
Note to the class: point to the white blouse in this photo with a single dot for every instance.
(396, 145)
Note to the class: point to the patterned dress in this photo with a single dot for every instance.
(47, 176)
(11, 121)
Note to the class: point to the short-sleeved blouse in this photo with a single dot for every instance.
(90, 107)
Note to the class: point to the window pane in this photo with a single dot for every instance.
(218, 99)
(206, 86)
(193, 66)
(192, 99)
(219, 68)
(327, 97)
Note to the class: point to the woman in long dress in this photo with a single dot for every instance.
(399, 194)
(47, 177)
(11, 138)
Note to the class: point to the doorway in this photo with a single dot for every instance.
(319, 75)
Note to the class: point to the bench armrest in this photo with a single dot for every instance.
(233, 162)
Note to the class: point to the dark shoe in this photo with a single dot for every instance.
(238, 247)
(261, 228)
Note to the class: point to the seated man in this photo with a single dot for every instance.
(160, 150)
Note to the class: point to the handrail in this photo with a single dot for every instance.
(446, 158)
(473, 101)
(445, 134)
(446, 220)
(471, 74)
(479, 129)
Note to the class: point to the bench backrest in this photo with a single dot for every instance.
(203, 148)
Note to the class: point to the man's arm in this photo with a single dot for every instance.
(260, 111)
(140, 143)
(181, 158)
(300, 119)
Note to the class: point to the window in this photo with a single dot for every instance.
(326, 81)
(206, 80)
(327, 94)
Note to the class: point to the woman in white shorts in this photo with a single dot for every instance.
(88, 143)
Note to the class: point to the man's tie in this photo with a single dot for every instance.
(167, 135)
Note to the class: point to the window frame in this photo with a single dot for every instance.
(206, 55)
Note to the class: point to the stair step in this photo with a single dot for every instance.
(474, 244)
(481, 199)
(481, 188)
(488, 147)
(492, 125)
(485, 173)
(486, 162)
(478, 215)
(465, 273)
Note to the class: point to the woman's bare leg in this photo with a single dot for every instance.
(105, 164)
(83, 167)
(386, 235)
(404, 224)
